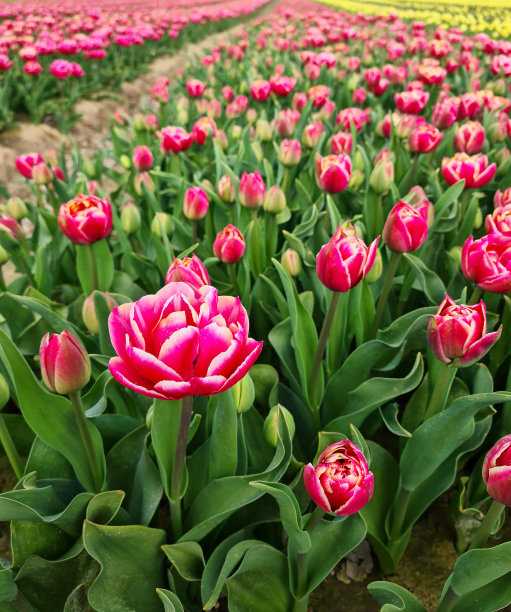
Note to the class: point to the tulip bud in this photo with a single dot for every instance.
(125, 162)
(229, 245)
(251, 115)
(4, 256)
(275, 200)
(291, 262)
(271, 424)
(88, 167)
(264, 131)
(478, 221)
(497, 471)
(42, 174)
(221, 139)
(290, 152)
(455, 255)
(503, 159)
(51, 157)
(244, 394)
(89, 316)
(190, 270)
(382, 175)
(139, 122)
(356, 179)
(130, 218)
(195, 203)
(376, 269)
(143, 180)
(252, 190)
(406, 227)
(65, 364)
(162, 221)
(142, 158)
(225, 189)
(333, 172)
(17, 208)
(235, 132)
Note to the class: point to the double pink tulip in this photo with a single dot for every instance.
(85, 219)
(497, 471)
(475, 169)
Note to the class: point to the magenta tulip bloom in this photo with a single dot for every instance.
(175, 139)
(252, 190)
(487, 262)
(195, 203)
(85, 219)
(260, 90)
(65, 364)
(189, 270)
(345, 260)
(341, 482)
(333, 172)
(457, 333)
(406, 227)
(469, 137)
(497, 471)
(229, 245)
(142, 158)
(475, 169)
(180, 342)
(424, 138)
(25, 163)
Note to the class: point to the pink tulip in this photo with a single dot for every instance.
(497, 471)
(499, 221)
(252, 190)
(260, 90)
(11, 226)
(142, 158)
(282, 85)
(502, 198)
(65, 364)
(412, 102)
(425, 138)
(406, 227)
(175, 139)
(85, 219)
(487, 262)
(354, 115)
(190, 270)
(341, 143)
(341, 482)
(469, 137)
(225, 189)
(457, 333)
(445, 114)
(290, 152)
(195, 203)
(25, 163)
(202, 128)
(195, 88)
(229, 245)
(180, 342)
(319, 95)
(474, 169)
(312, 133)
(344, 261)
(333, 172)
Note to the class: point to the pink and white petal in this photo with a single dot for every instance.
(213, 340)
(314, 488)
(119, 327)
(479, 349)
(127, 376)
(252, 350)
(207, 385)
(150, 367)
(166, 327)
(180, 351)
(435, 341)
(172, 389)
(225, 362)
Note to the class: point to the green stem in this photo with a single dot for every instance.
(476, 295)
(232, 277)
(391, 272)
(2, 281)
(81, 421)
(179, 463)
(399, 516)
(39, 196)
(286, 185)
(409, 180)
(441, 390)
(487, 524)
(194, 231)
(323, 337)
(92, 267)
(10, 449)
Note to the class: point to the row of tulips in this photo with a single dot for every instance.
(50, 58)
(356, 211)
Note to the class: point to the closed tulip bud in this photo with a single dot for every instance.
(497, 471)
(182, 116)
(271, 424)
(65, 364)
(291, 262)
(341, 482)
(190, 270)
(251, 116)
(225, 189)
(17, 208)
(195, 203)
(264, 131)
(275, 200)
(51, 157)
(478, 221)
(455, 255)
(162, 222)
(290, 152)
(229, 245)
(457, 333)
(125, 162)
(382, 175)
(139, 122)
(311, 134)
(376, 269)
(142, 158)
(42, 174)
(130, 218)
(89, 316)
(406, 228)
(88, 167)
(141, 180)
(235, 132)
(244, 394)
(252, 190)
(333, 172)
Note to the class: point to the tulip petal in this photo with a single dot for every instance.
(129, 377)
(207, 385)
(314, 488)
(172, 389)
(255, 348)
(149, 366)
(479, 349)
(180, 351)
(119, 327)
(214, 341)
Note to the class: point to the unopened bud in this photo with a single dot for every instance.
(275, 200)
(291, 262)
(130, 218)
(163, 221)
(376, 269)
(244, 394)
(125, 162)
(271, 424)
(17, 208)
(89, 316)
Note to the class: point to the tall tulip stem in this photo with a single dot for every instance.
(441, 390)
(81, 422)
(179, 463)
(476, 295)
(391, 272)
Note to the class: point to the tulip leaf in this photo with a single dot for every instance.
(305, 338)
(187, 558)
(8, 588)
(94, 401)
(132, 566)
(222, 497)
(170, 601)
(448, 197)
(99, 255)
(261, 582)
(394, 598)
(428, 280)
(164, 428)
(223, 443)
(104, 506)
(279, 339)
(389, 415)
(458, 420)
(51, 417)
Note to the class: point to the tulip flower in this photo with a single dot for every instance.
(412, 102)
(142, 158)
(290, 152)
(291, 262)
(341, 481)
(469, 137)
(406, 228)
(444, 114)
(487, 262)
(180, 342)
(89, 315)
(229, 245)
(195, 203)
(195, 88)
(282, 85)
(333, 172)
(190, 270)
(25, 163)
(252, 190)
(344, 261)
(65, 364)
(499, 221)
(225, 189)
(424, 138)
(497, 471)
(260, 90)
(457, 333)
(202, 128)
(341, 143)
(175, 139)
(475, 169)
(312, 133)
(85, 219)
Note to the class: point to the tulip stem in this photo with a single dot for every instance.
(10, 449)
(441, 390)
(487, 524)
(476, 295)
(323, 337)
(409, 180)
(179, 463)
(194, 231)
(92, 267)
(232, 277)
(81, 421)
(286, 185)
(391, 272)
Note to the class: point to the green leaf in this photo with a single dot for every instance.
(255, 248)
(223, 443)
(104, 506)
(8, 588)
(394, 598)
(102, 313)
(51, 417)
(132, 567)
(103, 261)
(429, 281)
(164, 428)
(389, 415)
(94, 401)
(448, 197)
(170, 601)
(222, 497)
(187, 558)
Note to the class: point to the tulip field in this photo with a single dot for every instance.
(255, 346)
